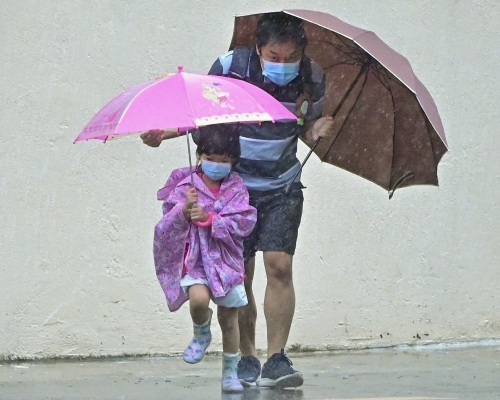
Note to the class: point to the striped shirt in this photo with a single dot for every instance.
(268, 150)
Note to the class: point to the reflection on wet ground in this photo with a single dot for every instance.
(464, 373)
(264, 394)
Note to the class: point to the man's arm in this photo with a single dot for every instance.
(315, 125)
(154, 137)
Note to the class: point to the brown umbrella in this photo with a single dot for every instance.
(387, 127)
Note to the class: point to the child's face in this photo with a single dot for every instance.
(218, 158)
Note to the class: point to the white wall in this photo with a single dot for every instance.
(77, 275)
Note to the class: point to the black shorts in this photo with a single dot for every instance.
(278, 220)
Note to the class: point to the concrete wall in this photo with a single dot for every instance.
(77, 275)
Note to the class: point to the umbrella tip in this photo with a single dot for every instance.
(180, 68)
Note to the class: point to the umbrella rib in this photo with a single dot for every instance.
(337, 64)
(189, 100)
(338, 47)
(428, 124)
(130, 102)
(349, 113)
(384, 76)
(398, 182)
(353, 52)
(346, 44)
(407, 174)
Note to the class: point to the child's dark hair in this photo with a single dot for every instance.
(280, 27)
(221, 139)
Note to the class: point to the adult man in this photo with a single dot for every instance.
(268, 163)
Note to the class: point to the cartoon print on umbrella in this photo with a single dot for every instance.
(212, 92)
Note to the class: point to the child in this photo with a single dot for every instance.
(198, 245)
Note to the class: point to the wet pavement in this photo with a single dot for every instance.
(411, 374)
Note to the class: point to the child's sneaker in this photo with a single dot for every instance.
(248, 370)
(202, 337)
(277, 372)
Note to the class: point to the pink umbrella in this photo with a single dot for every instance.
(183, 101)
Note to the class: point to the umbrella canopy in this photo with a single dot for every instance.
(387, 127)
(183, 101)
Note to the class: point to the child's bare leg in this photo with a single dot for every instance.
(228, 321)
(199, 299)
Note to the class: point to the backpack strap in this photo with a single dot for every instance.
(306, 75)
(239, 64)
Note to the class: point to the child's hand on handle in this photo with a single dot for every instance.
(191, 200)
(198, 214)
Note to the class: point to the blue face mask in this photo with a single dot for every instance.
(280, 73)
(215, 171)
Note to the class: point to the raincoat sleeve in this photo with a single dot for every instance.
(236, 219)
(169, 247)
(173, 217)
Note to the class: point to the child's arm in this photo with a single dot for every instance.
(173, 226)
(200, 217)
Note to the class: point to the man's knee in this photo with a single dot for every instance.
(278, 267)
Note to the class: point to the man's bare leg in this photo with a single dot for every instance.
(247, 315)
(279, 300)
(279, 307)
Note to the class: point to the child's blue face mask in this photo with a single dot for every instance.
(215, 171)
(280, 73)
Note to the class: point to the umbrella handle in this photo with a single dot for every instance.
(189, 154)
(288, 186)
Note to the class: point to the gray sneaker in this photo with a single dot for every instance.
(278, 373)
(248, 370)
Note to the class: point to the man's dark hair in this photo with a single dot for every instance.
(280, 27)
(219, 139)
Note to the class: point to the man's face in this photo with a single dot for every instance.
(281, 52)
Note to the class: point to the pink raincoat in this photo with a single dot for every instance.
(214, 252)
